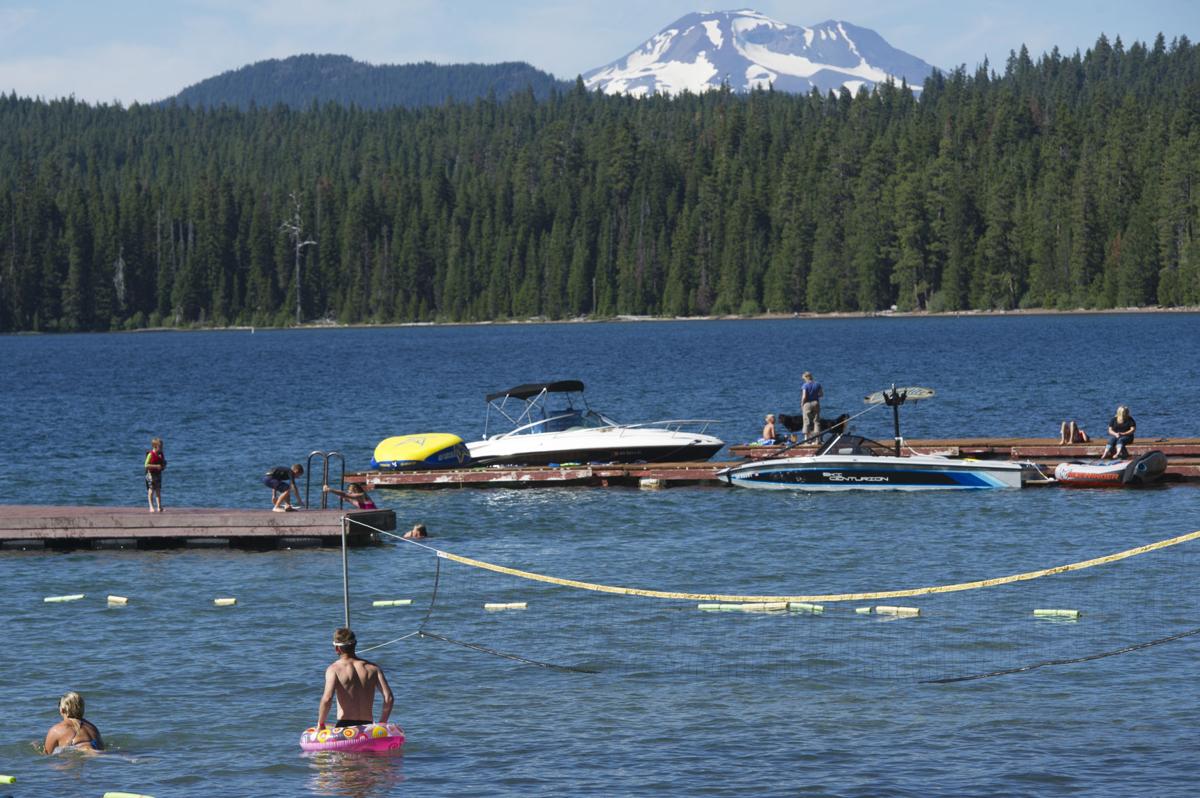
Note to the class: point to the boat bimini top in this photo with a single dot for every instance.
(536, 407)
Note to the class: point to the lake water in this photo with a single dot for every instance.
(200, 700)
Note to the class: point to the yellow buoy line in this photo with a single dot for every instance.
(799, 599)
(230, 601)
(741, 606)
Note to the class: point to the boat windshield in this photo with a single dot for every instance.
(568, 419)
(856, 445)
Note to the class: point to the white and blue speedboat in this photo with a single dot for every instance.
(551, 423)
(852, 462)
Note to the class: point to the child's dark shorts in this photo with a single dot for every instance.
(276, 484)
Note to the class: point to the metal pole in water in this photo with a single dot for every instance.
(345, 571)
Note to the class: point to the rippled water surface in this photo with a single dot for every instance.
(200, 700)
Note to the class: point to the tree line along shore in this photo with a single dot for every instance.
(1061, 183)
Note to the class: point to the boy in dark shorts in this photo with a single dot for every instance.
(282, 482)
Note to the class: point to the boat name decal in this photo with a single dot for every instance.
(835, 476)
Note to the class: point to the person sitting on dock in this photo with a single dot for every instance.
(1120, 434)
(418, 531)
(1070, 432)
(768, 432)
(355, 494)
(74, 730)
(282, 482)
(353, 681)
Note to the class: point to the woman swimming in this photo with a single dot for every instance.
(74, 730)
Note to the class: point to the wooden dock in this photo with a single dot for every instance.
(602, 476)
(1183, 465)
(41, 527)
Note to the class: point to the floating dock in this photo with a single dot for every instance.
(1183, 465)
(603, 476)
(59, 528)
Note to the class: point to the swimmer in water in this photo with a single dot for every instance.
(354, 682)
(74, 730)
(355, 494)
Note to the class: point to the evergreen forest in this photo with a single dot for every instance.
(301, 80)
(1066, 182)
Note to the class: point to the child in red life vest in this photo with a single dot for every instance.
(156, 461)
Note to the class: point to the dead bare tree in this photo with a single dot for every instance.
(294, 230)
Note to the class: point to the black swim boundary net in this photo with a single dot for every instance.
(1105, 606)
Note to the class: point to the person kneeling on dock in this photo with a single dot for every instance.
(354, 682)
(282, 482)
(355, 494)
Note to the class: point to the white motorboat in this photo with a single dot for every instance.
(551, 423)
(852, 462)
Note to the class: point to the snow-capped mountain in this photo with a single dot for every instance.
(747, 50)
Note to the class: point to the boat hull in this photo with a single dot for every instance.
(1142, 470)
(817, 473)
(613, 445)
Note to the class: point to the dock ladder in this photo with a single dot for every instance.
(325, 459)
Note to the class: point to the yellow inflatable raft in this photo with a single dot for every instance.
(423, 451)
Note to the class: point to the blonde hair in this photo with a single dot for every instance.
(770, 417)
(155, 443)
(1122, 411)
(70, 706)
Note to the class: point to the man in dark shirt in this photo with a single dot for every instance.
(282, 482)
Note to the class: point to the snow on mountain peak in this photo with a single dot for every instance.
(748, 50)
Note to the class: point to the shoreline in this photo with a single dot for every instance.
(805, 316)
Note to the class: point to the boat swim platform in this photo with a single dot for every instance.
(1183, 465)
(66, 528)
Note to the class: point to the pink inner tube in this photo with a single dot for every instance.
(369, 737)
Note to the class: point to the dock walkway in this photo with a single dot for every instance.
(1183, 465)
(46, 527)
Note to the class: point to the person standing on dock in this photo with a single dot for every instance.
(282, 482)
(155, 462)
(354, 682)
(811, 393)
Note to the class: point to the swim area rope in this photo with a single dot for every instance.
(946, 635)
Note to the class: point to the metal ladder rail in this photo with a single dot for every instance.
(325, 458)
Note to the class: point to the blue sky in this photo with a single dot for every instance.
(144, 50)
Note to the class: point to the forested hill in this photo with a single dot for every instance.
(1065, 182)
(302, 80)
